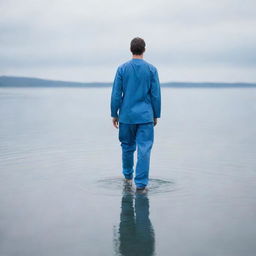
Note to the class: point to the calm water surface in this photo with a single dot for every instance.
(61, 188)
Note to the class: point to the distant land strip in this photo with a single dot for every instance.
(15, 81)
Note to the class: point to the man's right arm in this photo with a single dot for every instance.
(155, 93)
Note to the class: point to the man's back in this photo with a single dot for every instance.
(136, 92)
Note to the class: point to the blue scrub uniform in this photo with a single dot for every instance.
(136, 101)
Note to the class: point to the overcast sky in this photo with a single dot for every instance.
(85, 40)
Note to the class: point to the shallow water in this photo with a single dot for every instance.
(61, 188)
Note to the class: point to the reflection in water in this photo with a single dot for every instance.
(135, 235)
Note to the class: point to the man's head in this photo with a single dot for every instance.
(137, 46)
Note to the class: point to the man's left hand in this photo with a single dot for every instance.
(115, 122)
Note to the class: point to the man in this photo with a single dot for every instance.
(135, 107)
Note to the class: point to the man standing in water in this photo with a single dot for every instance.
(135, 107)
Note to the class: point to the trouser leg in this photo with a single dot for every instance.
(127, 137)
(144, 140)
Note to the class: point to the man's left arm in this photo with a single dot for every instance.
(116, 96)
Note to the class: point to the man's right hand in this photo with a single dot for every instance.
(155, 121)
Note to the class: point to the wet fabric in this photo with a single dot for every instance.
(136, 96)
(140, 136)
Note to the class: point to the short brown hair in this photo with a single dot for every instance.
(137, 46)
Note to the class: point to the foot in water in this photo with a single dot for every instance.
(127, 186)
(142, 190)
(128, 182)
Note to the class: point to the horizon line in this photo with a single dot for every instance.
(110, 82)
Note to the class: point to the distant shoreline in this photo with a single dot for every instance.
(15, 81)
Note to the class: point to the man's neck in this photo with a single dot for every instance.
(137, 56)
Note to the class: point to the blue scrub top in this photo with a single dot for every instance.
(136, 94)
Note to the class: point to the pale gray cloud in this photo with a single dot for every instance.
(86, 40)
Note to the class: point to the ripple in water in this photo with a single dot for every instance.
(112, 185)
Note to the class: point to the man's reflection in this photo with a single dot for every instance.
(136, 234)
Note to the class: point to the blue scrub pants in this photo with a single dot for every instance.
(142, 136)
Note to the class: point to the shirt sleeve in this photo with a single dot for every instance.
(116, 95)
(156, 94)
